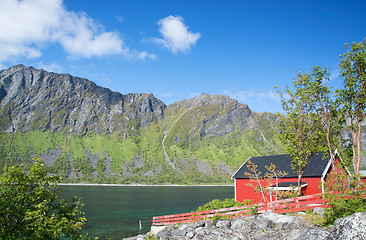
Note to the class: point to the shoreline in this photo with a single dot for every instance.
(139, 185)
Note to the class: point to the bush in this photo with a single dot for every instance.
(29, 208)
(344, 207)
(226, 203)
(344, 198)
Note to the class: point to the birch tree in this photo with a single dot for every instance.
(353, 96)
(299, 129)
(324, 105)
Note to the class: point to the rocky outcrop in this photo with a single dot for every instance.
(350, 227)
(211, 115)
(266, 226)
(33, 99)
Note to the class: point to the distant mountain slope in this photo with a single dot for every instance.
(88, 133)
(38, 100)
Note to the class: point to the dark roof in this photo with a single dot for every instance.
(315, 167)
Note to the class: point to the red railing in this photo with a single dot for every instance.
(283, 206)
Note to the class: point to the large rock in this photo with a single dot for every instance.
(313, 234)
(165, 234)
(351, 227)
(225, 224)
(271, 216)
(240, 224)
(318, 211)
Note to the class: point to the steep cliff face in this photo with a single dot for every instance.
(33, 99)
(88, 133)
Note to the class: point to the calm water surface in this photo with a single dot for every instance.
(113, 212)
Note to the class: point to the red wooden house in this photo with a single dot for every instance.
(313, 178)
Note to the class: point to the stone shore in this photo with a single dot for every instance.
(268, 226)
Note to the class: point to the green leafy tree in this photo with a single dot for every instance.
(343, 200)
(353, 96)
(299, 129)
(323, 103)
(30, 208)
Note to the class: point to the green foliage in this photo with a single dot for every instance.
(314, 218)
(227, 203)
(344, 198)
(310, 123)
(231, 149)
(343, 207)
(352, 98)
(218, 204)
(219, 217)
(30, 209)
(153, 237)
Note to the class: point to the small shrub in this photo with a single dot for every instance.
(345, 198)
(153, 237)
(342, 207)
(312, 218)
(216, 218)
(254, 211)
(226, 203)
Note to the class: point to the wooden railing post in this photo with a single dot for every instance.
(295, 201)
(266, 206)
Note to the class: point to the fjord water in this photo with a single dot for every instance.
(114, 212)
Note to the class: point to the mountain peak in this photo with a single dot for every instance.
(38, 100)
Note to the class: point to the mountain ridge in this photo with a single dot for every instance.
(39, 89)
(90, 133)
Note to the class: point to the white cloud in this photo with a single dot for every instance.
(258, 100)
(335, 74)
(176, 36)
(119, 18)
(143, 55)
(53, 67)
(28, 26)
(253, 95)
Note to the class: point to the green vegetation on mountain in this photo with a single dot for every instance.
(86, 133)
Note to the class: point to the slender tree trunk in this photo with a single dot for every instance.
(357, 170)
(353, 149)
(261, 188)
(276, 187)
(299, 184)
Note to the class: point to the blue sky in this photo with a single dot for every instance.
(179, 49)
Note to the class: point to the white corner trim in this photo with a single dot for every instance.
(327, 168)
(325, 172)
(236, 199)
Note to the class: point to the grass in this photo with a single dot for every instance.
(231, 149)
(313, 218)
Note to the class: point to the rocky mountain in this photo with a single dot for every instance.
(85, 132)
(39, 100)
